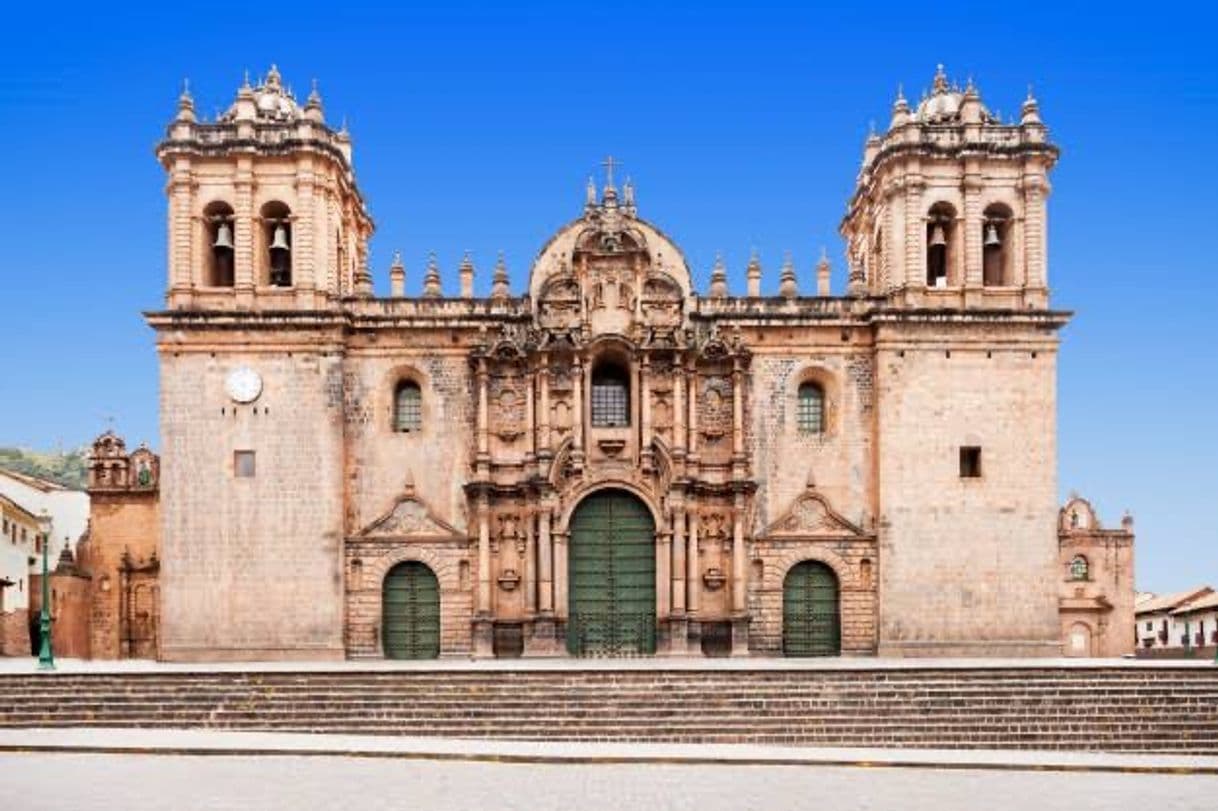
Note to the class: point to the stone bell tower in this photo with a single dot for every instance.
(949, 208)
(264, 211)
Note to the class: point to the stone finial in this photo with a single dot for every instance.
(500, 285)
(628, 196)
(718, 279)
(940, 85)
(186, 103)
(1030, 111)
(363, 282)
(822, 274)
(397, 276)
(788, 286)
(431, 278)
(811, 483)
(273, 79)
(900, 110)
(1127, 521)
(970, 104)
(313, 109)
(590, 194)
(752, 275)
(408, 484)
(466, 274)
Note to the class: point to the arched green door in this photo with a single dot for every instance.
(811, 623)
(410, 620)
(611, 577)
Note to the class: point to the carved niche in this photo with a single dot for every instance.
(559, 302)
(661, 302)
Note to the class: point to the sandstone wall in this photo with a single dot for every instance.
(969, 565)
(252, 566)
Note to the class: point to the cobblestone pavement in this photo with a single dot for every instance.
(58, 782)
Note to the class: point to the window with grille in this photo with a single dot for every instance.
(407, 407)
(810, 411)
(1079, 568)
(610, 396)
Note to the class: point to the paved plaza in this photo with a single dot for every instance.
(59, 782)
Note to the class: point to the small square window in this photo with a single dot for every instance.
(970, 462)
(243, 464)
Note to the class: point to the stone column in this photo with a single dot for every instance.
(560, 574)
(972, 228)
(692, 442)
(915, 234)
(1034, 230)
(663, 573)
(530, 563)
(739, 571)
(545, 564)
(484, 445)
(530, 414)
(737, 419)
(483, 625)
(184, 263)
(543, 419)
(678, 561)
(483, 605)
(693, 569)
(577, 415)
(678, 408)
(245, 270)
(304, 254)
(644, 389)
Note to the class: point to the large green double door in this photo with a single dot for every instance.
(411, 612)
(811, 622)
(611, 577)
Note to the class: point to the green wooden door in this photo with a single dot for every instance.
(811, 624)
(411, 612)
(612, 577)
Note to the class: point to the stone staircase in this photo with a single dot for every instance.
(1127, 709)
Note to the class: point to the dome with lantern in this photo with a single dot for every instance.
(943, 104)
(271, 99)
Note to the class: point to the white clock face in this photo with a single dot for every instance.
(243, 384)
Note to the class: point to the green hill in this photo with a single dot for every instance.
(69, 468)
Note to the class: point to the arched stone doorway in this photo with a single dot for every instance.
(811, 615)
(410, 612)
(611, 576)
(1078, 642)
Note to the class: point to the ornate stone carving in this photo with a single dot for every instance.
(811, 515)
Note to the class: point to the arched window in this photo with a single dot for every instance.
(218, 232)
(277, 235)
(940, 244)
(1079, 568)
(610, 395)
(810, 409)
(994, 239)
(407, 407)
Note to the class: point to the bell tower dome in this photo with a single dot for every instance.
(264, 210)
(949, 207)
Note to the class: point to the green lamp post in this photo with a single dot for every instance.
(46, 656)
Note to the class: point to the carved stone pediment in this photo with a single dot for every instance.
(811, 515)
(409, 517)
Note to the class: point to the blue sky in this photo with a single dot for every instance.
(741, 126)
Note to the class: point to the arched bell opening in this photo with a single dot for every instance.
(277, 238)
(995, 238)
(941, 248)
(218, 234)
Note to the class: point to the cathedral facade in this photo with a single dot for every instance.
(609, 461)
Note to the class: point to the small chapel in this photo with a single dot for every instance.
(605, 460)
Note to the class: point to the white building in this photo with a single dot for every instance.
(1173, 621)
(21, 534)
(67, 508)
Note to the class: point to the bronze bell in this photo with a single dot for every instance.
(937, 235)
(279, 242)
(991, 235)
(224, 236)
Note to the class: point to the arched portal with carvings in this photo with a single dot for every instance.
(611, 576)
